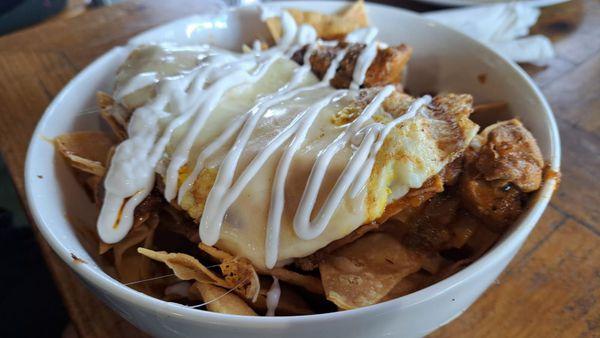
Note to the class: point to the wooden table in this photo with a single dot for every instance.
(552, 288)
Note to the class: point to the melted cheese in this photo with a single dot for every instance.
(253, 148)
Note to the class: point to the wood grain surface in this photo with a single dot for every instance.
(551, 289)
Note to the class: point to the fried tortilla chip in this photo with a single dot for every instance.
(240, 271)
(106, 104)
(451, 269)
(363, 272)
(220, 300)
(309, 283)
(328, 27)
(497, 108)
(185, 267)
(236, 270)
(409, 284)
(220, 255)
(129, 265)
(86, 151)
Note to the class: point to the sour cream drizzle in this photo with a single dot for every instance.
(273, 296)
(137, 82)
(383, 131)
(191, 98)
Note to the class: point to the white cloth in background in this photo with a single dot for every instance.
(504, 27)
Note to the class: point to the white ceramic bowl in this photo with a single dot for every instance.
(444, 60)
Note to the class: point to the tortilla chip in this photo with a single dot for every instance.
(240, 271)
(451, 269)
(185, 266)
(409, 284)
(363, 272)
(129, 265)
(219, 300)
(236, 270)
(220, 255)
(106, 104)
(328, 27)
(309, 283)
(86, 151)
(492, 108)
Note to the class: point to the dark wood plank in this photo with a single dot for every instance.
(30, 81)
(573, 27)
(574, 97)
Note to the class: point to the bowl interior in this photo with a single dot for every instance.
(443, 61)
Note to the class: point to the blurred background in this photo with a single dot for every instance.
(16, 14)
(29, 300)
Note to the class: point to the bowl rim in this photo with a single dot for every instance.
(99, 279)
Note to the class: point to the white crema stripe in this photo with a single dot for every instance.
(137, 82)
(362, 65)
(273, 296)
(383, 131)
(192, 98)
(278, 189)
(303, 226)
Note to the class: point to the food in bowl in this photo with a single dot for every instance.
(297, 177)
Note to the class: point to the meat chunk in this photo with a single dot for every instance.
(496, 205)
(428, 230)
(386, 68)
(510, 154)
(503, 164)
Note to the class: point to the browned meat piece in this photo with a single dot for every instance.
(510, 154)
(428, 230)
(494, 204)
(312, 261)
(502, 165)
(343, 75)
(386, 68)
(320, 58)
